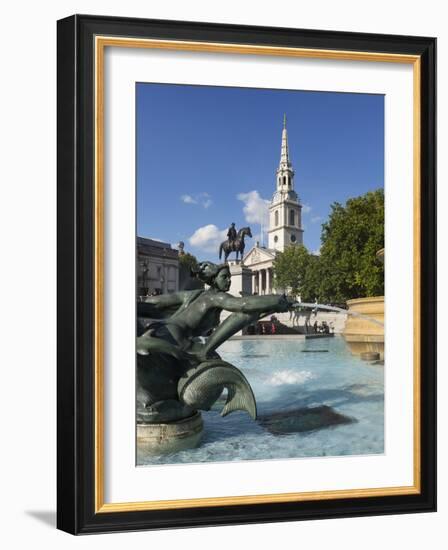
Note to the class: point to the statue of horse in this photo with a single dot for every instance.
(237, 245)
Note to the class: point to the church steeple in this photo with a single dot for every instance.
(285, 210)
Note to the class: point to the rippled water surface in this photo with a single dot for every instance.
(309, 405)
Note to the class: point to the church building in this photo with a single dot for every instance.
(285, 224)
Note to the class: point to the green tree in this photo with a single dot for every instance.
(347, 266)
(312, 279)
(187, 262)
(350, 239)
(295, 269)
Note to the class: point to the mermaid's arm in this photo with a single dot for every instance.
(273, 303)
(246, 310)
(156, 307)
(230, 326)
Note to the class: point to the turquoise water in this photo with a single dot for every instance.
(310, 404)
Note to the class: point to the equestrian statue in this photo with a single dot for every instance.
(234, 242)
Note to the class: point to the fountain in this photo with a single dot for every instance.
(362, 336)
(179, 372)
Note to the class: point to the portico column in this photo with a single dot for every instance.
(268, 281)
(176, 271)
(260, 282)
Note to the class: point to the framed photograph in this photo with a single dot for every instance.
(246, 274)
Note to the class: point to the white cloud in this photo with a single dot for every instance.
(208, 238)
(255, 207)
(316, 219)
(306, 208)
(204, 199)
(188, 199)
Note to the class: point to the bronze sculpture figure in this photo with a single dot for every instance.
(231, 232)
(178, 369)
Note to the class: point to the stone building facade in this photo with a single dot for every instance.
(157, 267)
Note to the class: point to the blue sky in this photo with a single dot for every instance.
(207, 156)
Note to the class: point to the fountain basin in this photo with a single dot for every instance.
(361, 334)
(170, 437)
(301, 396)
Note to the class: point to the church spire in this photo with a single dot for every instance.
(284, 155)
(285, 172)
(285, 210)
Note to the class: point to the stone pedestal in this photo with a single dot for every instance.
(159, 439)
(241, 279)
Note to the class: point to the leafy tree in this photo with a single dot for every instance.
(312, 280)
(347, 266)
(187, 262)
(294, 270)
(350, 239)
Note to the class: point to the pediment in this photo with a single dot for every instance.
(258, 255)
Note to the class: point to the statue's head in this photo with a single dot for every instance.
(214, 275)
(233, 224)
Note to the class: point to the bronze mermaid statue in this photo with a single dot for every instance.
(178, 369)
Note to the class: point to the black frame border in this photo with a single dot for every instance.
(76, 262)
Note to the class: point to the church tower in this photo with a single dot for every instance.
(285, 210)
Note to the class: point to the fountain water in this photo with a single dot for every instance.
(339, 310)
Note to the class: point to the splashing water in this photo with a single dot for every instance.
(289, 377)
(317, 306)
